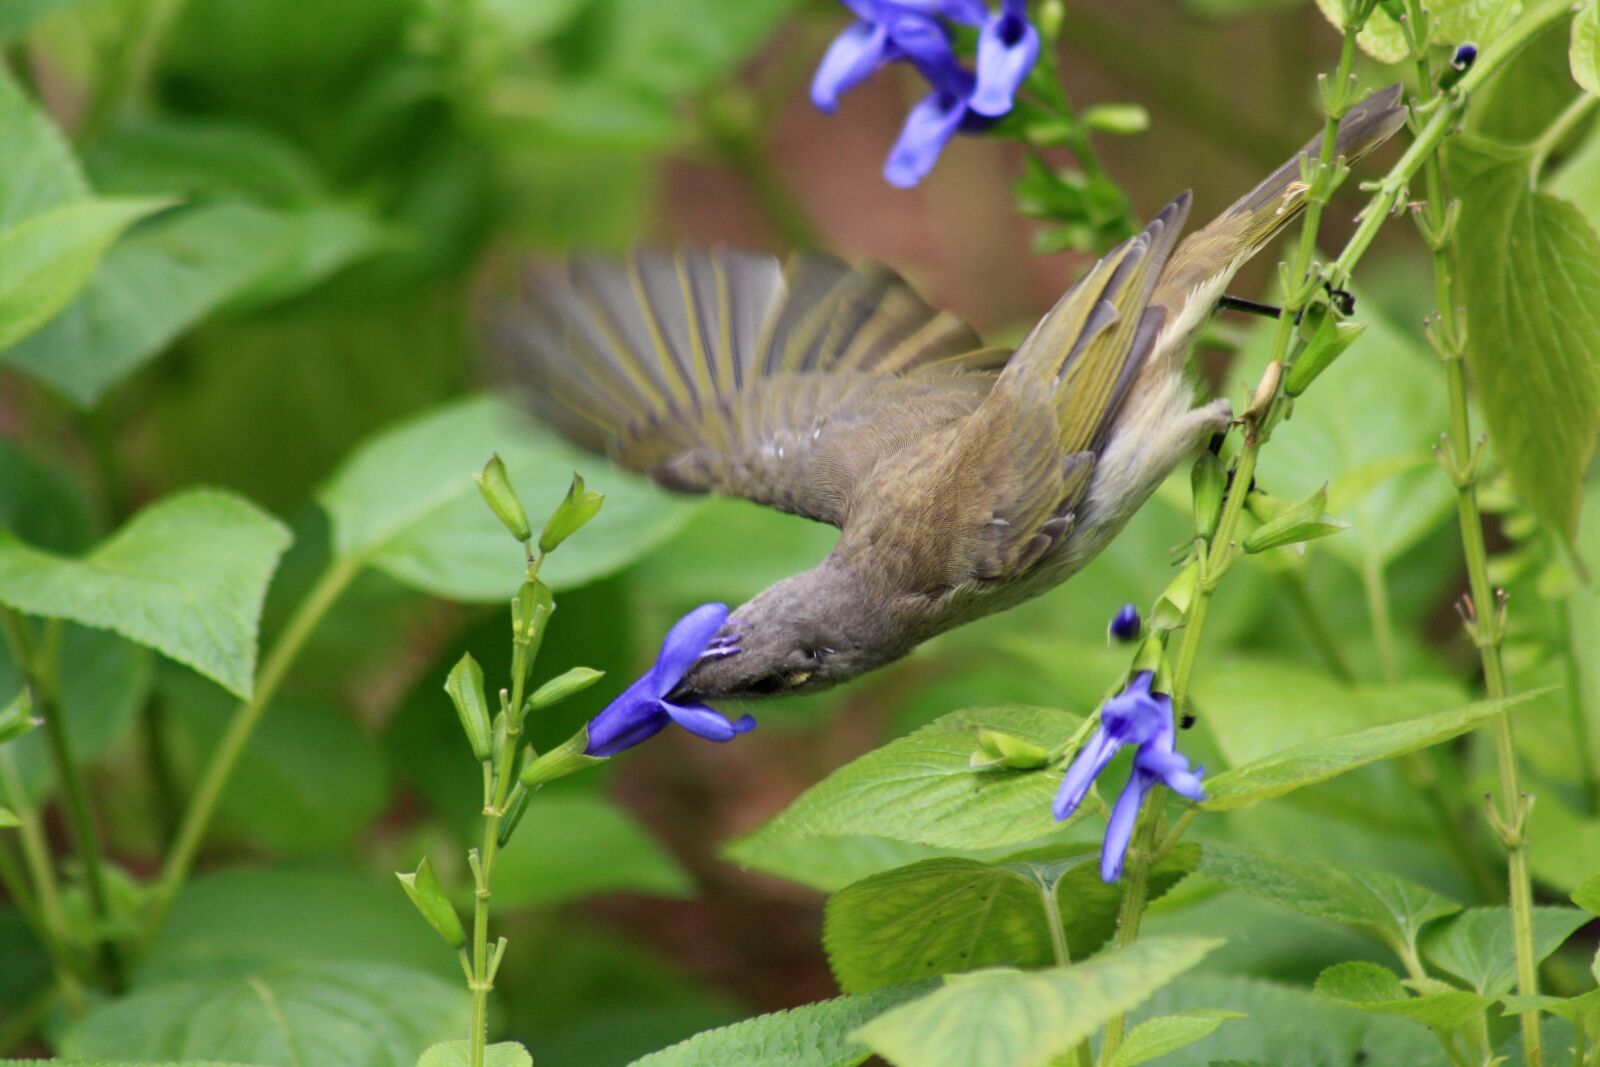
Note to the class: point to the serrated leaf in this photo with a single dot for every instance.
(46, 258)
(405, 501)
(459, 1054)
(1319, 760)
(943, 916)
(1584, 52)
(1008, 1018)
(1453, 22)
(1477, 945)
(1369, 987)
(1168, 1033)
(1347, 893)
(922, 789)
(815, 1035)
(185, 577)
(329, 1014)
(176, 272)
(1530, 281)
(1381, 38)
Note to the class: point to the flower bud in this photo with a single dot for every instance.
(423, 889)
(16, 718)
(1288, 524)
(577, 509)
(566, 758)
(1207, 482)
(465, 687)
(996, 749)
(1125, 624)
(1172, 607)
(1115, 118)
(1327, 343)
(495, 485)
(563, 686)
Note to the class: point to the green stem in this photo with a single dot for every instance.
(40, 664)
(1575, 711)
(46, 893)
(1293, 583)
(1377, 593)
(1082, 1055)
(208, 792)
(1564, 124)
(121, 54)
(1141, 857)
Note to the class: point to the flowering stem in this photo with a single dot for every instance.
(197, 817)
(1141, 856)
(52, 921)
(1058, 945)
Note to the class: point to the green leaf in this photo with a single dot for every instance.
(942, 916)
(406, 502)
(179, 270)
(16, 717)
(575, 845)
(1478, 946)
(8, 818)
(1530, 281)
(186, 577)
(1587, 895)
(829, 864)
(1584, 53)
(117, 1063)
(309, 781)
(459, 1054)
(1369, 987)
(921, 789)
(329, 1014)
(1168, 1033)
(1319, 760)
(1007, 1018)
(40, 172)
(47, 258)
(1358, 896)
(814, 1035)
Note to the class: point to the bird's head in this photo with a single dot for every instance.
(803, 634)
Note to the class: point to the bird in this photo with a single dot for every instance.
(964, 479)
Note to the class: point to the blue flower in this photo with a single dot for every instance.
(1139, 717)
(890, 31)
(643, 710)
(1125, 623)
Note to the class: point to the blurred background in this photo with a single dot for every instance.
(360, 177)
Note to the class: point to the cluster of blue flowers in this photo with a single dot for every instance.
(916, 32)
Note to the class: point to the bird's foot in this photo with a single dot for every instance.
(1251, 307)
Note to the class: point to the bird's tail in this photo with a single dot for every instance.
(1207, 259)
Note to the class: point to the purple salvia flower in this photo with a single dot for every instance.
(1125, 624)
(643, 710)
(1136, 716)
(1008, 47)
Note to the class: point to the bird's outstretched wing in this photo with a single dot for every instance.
(1060, 394)
(723, 371)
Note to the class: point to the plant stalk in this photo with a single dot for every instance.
(46, 893)
(1142, 854)
(341, 570)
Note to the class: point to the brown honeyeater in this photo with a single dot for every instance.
(963, 479)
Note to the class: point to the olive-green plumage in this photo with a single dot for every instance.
(963, 479)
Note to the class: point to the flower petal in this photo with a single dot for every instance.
(928, 129)
(635, 716)
(707, 722)
(1136, 715)
(861, 49)
(1119, 828)
(1008, 47)
(1086, 767)
(683, 645)
(1173, 770)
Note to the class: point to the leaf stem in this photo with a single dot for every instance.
(341, 570)
(1141, 856)
(47, 894)
(1557, 132)
(40, 663)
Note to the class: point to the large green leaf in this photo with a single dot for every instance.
(459, 1054)
(1530, 281)
(815, 1035)
(186, 577)
(1168, 1033)
(46, 258)
(1007, 1018)
(170, 275)
(1319, 760)
(290, 1015)
(1478, 944)
(1369, 987)
(572, 845)
(921, 789)
(39, 172)
(1585, 49)
(943, 916)
(405, 501)
(1358, 896)
(1451, 22)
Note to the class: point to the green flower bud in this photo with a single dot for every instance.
(423, 889)
(1207, 481)
(1289, 524)
(576, 510)
(16, 718)
(563, 686)
(465, 688)
(1172, 607)
(567, 758)
(1327, 344)
(996, 749)
(495, 485)
(1115, 118)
